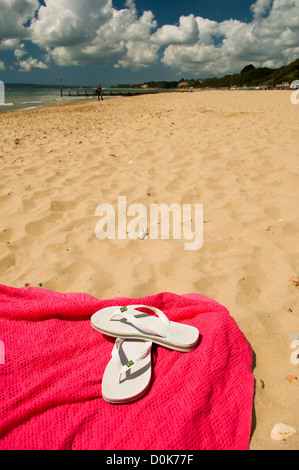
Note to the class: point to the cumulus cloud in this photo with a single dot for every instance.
(63, 23)
(271, 39)
(93, 32)
(139, 49)
(20, 51)
(14, 14)
(261, 7)
(186, 33)
(30, 63)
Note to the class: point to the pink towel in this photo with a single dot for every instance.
(54, 363)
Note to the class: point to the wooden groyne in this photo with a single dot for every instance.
(110, 93)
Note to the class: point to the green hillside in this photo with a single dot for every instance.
(250, 76)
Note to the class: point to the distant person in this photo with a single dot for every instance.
(61, 87)
(99, 92)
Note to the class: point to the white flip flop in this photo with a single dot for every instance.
(128, 373)
(128, 323)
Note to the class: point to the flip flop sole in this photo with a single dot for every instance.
(119, 401)
(181, 337)
(160, 342)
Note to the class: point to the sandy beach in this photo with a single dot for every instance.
(234, 152)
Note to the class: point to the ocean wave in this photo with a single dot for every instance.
(30, 102)
(30, 107)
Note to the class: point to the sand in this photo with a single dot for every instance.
(235, 152)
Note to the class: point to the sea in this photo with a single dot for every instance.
(16, 98)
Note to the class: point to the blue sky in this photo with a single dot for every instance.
(86, 42)
(168, 12)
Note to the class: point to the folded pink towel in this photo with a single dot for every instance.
(50, 394)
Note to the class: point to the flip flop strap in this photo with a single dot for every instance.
(125, 367)
(129, 313)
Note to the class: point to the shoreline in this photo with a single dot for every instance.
(7, 109)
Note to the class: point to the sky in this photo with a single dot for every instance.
(86, 42)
